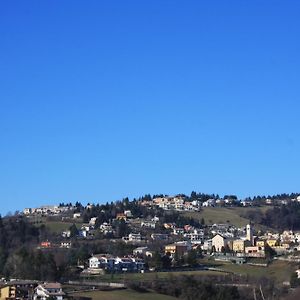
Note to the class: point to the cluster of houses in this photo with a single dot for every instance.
(109, 263)
(236, 243)
(24, 289)
(217, 239)
(181, 203)
(48, 210)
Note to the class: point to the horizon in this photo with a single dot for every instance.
(112, 100)
(136, 198)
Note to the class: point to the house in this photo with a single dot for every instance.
(89, 206)
(255, 251)
(220, 242)
(188, 206)
(121, 216)
(179, 248)
(148, 224)
(269, 201)
(194, 237)
(8, 292)
(102, 261)
(155, 219)
(83, 233)
(27, 211)
(76, 215)
(289, 236)
(128, 213)
(169, 225)
(209, 203)
(260, 243)
(159, 236)
(118, 264)
(178, 231)
(93, 221)
(66, 245)
(272, 242)
(45, 244)
(66, 234)
(48, 290)
(207, 245)
(133, 238)
(239, 245)
(246, 203)
(17, 289)
(125, 264)
(106, 228)
(140, 251)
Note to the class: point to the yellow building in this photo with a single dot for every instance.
(8, 292)
(239, 245)
(272, 242)
(260, 243)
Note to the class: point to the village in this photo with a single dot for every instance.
(151, 236)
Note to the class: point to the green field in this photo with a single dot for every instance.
(57, 227)
(123, 295)
(278, 270)
(232, 215)
(153, 275)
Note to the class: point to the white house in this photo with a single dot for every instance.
(76, 215)
(194, 238)
(159, 236)
(103, 261)
(66, 234)
(92, 221)
(178, 231)
(128, 213)
(27, 211)
(140, 251)
(133, 237)
(207, 245)
(66, 245)
(48, 290)
(148, 224)
(106, 228)
(209, 203)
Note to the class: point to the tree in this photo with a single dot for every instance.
(156, 261)
(166, 262)
(192, 258)
(177, 260)
(121, 228)
(73, 231)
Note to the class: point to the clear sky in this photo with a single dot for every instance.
(100, 100)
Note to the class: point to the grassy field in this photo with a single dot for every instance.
(153, 275)
(278, 270)
(232, 215)
(124, 295)
(57, 227)
(54, 226)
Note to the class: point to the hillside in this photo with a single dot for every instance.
(232, 215)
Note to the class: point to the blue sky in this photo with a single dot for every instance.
(105, 99)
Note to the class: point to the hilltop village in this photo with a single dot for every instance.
(152, 234)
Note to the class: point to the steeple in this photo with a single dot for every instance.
(249, 233)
